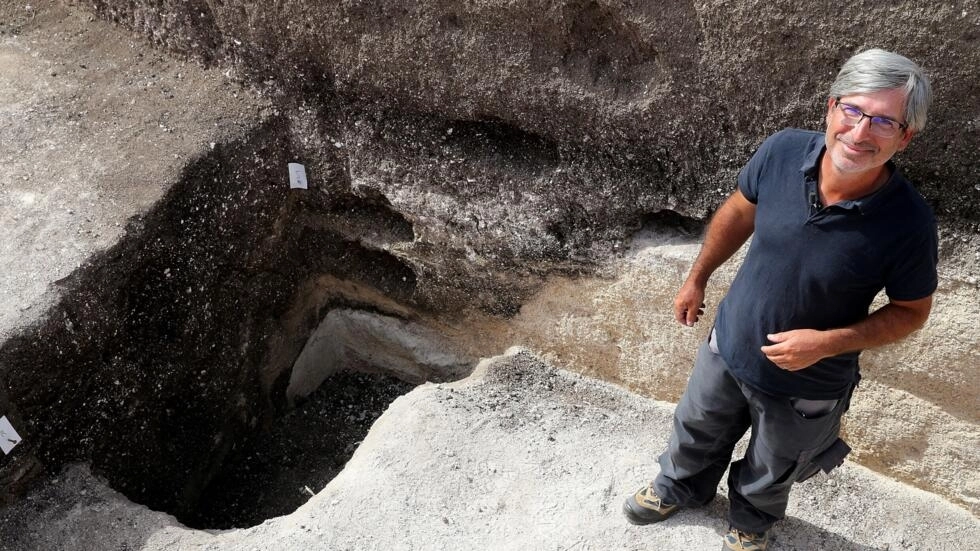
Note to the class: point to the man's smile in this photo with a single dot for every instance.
(857, 149)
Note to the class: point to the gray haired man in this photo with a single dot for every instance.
(833, 223)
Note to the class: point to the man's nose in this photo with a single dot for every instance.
(862, 130)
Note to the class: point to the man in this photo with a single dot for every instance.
(834, 222)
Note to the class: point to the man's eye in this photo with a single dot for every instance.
(883, 122)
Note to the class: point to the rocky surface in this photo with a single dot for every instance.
(655, 106)
(518, 456)
(481, 175)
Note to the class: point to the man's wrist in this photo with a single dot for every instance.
(840, 341)
(698, 279)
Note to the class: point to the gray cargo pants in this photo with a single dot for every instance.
(785, 446)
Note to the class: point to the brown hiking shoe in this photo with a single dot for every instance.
(646, 507)
(737, 540)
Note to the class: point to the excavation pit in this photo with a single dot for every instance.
(167, 363)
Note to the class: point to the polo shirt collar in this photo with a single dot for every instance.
(866, 204)
(871, 203)
(811, 161)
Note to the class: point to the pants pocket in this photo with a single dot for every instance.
(825, 461)
(813, 409)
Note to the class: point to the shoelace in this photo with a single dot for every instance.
(745, 537)
(658, 502)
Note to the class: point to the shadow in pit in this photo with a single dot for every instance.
(156, 361)
(272, 473)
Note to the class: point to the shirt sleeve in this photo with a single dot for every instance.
(752, 173)
(913, 276)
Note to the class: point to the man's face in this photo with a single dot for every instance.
(852, 147)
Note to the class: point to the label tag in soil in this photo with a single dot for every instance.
(297, 176)
(8, 436)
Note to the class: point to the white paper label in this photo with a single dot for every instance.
(297, 176)
(8, 436)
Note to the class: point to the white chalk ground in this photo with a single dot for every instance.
(95, 127)
(519, 456)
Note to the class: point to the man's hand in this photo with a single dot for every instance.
(729, 228)
(801, 348)
(797, 349)
(689, 304)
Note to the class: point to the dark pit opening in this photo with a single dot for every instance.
(165, 364)
(273, 472)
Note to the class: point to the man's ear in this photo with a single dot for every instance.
(906, 139)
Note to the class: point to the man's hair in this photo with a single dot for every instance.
(876, 70)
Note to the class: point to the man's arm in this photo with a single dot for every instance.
(801, 348)
(729, 228)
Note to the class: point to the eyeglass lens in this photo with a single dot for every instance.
(880, 126)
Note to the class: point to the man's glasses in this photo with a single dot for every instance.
(882, 127)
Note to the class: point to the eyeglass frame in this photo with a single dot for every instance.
(871, 118)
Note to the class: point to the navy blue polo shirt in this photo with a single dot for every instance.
(818, 268)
